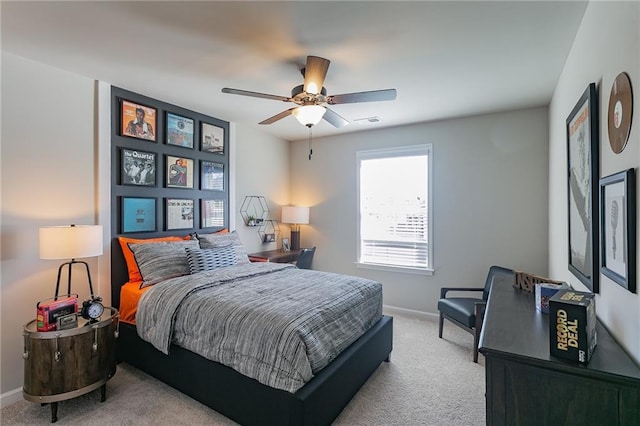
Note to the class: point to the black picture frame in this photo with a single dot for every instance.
(137, 167)
(131, 127)
(138, 214)
(179, 172)
(583, 159)
(211, 176)
(179, 130)
(211, 138)
(212, 213)
(618, 228)
(179, 213)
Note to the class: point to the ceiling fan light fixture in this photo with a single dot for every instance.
(312, 88)
(309, 115)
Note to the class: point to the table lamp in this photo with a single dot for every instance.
(71, 242)
(295, 216)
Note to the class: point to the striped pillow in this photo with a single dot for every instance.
(161, 261)
(208, 259)
(209, 241)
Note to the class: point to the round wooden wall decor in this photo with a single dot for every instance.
(620, 112)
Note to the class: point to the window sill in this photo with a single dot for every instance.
(389, 268)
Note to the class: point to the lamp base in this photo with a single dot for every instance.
(295, 240)
(70, 265)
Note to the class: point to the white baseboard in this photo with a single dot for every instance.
(410, 312)
(10, 397)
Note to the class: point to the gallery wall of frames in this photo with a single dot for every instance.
(169, 169)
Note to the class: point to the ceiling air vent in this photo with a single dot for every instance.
(368, 120)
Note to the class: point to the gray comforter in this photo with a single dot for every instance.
(272, 322)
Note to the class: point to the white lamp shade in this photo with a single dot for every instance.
(70, 242)
(309, 115)
(296, 215)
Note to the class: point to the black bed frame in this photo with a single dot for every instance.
(245, 400)
(248, 401)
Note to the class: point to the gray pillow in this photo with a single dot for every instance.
(217, 240)
(160, 261)
(208, 259)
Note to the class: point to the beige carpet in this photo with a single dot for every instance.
(429, 381)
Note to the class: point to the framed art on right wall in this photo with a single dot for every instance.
(583, 170)
(618, 228)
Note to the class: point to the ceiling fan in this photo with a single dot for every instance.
(311, 97)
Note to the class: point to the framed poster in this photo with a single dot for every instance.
(179, 172)
(211, 176)
(138, 214)
(179, 131)
(211, 213)
(179, 214)
(137, 167)
(138, 121)
(582, 172)
(212, 138)
(618, 228)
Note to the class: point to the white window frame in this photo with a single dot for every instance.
(390, 153)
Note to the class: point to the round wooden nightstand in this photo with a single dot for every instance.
(64, 364)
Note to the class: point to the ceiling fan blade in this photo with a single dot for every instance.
(255, 94)
(371, 96)
(314, 74)
(278, 116)
(335, 119)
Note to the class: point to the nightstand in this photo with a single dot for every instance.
(64, 364)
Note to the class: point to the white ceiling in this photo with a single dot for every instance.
(446, 59)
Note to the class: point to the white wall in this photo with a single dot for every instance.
(48, 158)
(262, 168)
(606, 44)
(490, 200)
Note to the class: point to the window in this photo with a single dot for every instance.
(394, 208)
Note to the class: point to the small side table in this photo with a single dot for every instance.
(276, 256)
(64, 364)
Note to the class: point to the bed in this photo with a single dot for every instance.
(244, 399)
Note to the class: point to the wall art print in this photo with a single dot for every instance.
(212, 213)
(179, 214)
(618, 228)
(138, 214)
(179, 172)
(211, 176)
(582, 173)
(138, 121)
(212, 139)
(138, 167)
(179, 131)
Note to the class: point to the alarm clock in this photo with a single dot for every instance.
(92, 309)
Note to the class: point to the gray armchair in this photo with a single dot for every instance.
(468, 312)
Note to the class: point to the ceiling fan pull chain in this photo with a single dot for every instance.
(310, 150)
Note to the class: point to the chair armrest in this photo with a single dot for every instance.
(445, 290)
(479, 309)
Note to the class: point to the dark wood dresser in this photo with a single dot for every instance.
(526, 386)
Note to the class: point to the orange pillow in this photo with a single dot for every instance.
(130, 295)
(222, 231)
(132, 265)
